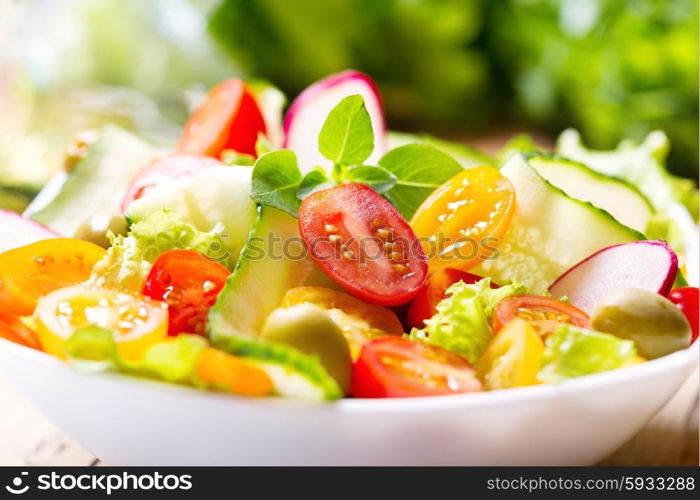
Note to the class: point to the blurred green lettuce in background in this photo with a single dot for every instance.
(612, 68)
(458, 68)
(422, 53)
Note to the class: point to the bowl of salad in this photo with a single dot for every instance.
(309, 288)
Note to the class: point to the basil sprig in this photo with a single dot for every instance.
(405, 175)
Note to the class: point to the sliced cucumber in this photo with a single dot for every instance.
(619, 198)
(97, 183)
(642, 164)
(549, 232)
(262, 276)
(467, 156)
(293, 373)
(273, 261)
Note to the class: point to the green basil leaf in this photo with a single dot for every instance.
(378, 178)
(419, 169)
(276, 179)
(314, 181)
(346, 137)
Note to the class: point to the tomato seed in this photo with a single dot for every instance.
(400, 268)
(384, 234)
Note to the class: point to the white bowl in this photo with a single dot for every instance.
(129, 421)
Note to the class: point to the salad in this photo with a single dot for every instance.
(319, 256)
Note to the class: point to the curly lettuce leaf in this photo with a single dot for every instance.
(129, 258)
(461, 323)
(676, 226)
(573, 352)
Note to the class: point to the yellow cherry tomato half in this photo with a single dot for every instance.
(30, 272)
(463, 221)
(137, 322)
(358, 321)
(231, 373)
(512, 358)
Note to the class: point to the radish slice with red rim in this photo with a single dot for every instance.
(308, 112)
(650, 265)
(18, 231)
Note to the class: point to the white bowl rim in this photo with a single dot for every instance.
(684, 358)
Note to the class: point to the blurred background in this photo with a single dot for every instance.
(474, 70)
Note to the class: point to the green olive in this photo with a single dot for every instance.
(310, 329)
(653, 322)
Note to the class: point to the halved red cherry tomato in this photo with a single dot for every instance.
(544, 313)
(423, 306)
(229, 118)
(464, 220)
(363, 243)
(189, 284)
(393, 367)
(686, 298)
(171, 166)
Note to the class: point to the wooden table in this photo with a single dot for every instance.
(28, 438)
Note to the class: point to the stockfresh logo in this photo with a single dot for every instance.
(17, 486)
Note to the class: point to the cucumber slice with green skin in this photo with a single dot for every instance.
(642, 164)
(97, 183)
(467, 156)
(293, 373)
(619, 198)
(273, 261)
(549, 232)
